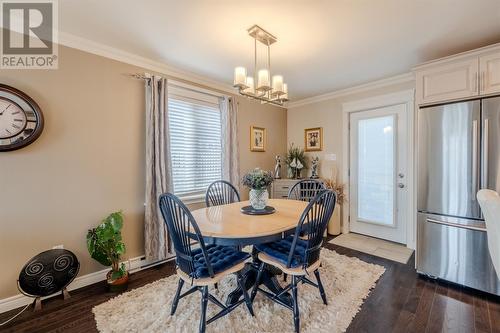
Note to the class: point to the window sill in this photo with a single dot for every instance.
(192, 199)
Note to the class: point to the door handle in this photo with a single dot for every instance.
(484, 180)
(474, 159)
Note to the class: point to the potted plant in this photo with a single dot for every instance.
(258, 181)
(339, 189)
(105, 245)
(296, 161)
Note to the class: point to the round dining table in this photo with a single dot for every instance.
(227, 225)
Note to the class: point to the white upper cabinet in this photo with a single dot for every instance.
(489, 71)
(470, 74)
(450, 81)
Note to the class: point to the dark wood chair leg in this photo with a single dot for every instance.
(176, 297)
(204, 302)
(320, 287)
(248, 302)
(296, 315)
(257, 282)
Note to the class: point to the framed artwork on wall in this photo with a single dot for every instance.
(313, 139)
(257, 138)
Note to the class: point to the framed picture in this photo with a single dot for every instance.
(257, 138)
(313, 138)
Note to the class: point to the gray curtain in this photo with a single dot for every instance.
(230, 150)
(158, 168)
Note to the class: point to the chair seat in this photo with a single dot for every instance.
(298, 271)
(221, 258)
(280, 250)
(209, 280)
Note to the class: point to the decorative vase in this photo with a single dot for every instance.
(258, 198)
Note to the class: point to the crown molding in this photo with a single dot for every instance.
(402, 78)
(462, 55)
(99, 49)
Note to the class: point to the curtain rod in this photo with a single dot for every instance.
(182, 85)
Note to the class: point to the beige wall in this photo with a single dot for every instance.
(328, 114)
(89, 161)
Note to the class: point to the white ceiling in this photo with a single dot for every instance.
(322, 46)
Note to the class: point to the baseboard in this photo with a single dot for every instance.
(134, 265)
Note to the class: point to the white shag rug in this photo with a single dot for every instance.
(347, 283)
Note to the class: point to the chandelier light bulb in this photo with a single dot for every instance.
(250, 84)
(284, 97)
(278, 84)
(263, 83)
(240, 76)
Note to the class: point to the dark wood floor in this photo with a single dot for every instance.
(402, 301)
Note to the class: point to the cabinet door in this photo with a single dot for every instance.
(489, 66)
(448, 82)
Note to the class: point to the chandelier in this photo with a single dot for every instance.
(259, 86)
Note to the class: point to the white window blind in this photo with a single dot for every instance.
(195, 141)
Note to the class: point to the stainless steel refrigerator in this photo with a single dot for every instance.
(458, 154)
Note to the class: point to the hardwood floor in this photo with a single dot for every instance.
(402, 301)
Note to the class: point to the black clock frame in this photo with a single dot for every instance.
(37, 131)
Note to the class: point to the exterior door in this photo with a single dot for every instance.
(377, 182)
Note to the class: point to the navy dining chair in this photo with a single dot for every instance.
(221, 192)
(200, 265)
(306, 190)
(299, 256)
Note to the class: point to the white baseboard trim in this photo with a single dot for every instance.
(134, 265)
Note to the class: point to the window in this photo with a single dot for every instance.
(195, 140)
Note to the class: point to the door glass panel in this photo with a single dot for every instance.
(376, 168)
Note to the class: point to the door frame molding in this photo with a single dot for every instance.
(406, 97)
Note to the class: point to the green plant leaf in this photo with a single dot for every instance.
(104, 242)
(120, 248)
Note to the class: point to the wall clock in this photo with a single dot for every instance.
(21, 120)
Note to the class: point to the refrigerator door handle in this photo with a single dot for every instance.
(451, 224)
(484, 180)
(474, 159)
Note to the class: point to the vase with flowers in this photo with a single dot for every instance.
(296, 161)
(258, 181)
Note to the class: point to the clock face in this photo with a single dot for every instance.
(12, 119)
(21, 120)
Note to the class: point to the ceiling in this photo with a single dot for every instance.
(322, 46)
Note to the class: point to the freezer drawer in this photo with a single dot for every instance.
(457, 254)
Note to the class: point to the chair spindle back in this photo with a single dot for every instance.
(315, 219)
(183, 230)
(306, 190)
(221, 192)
